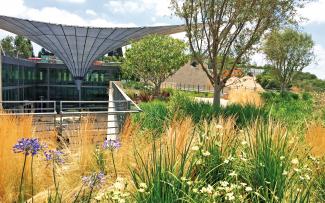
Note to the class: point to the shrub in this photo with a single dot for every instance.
(153, 118)
(289, 108)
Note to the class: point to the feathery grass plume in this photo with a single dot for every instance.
(11, 129)
(244, 97)
(315, 137)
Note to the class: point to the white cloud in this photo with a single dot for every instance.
(159, 7)
(17, 8)
(91, 12)
(72, 1)
(314, 12)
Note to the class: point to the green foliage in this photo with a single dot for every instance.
(292, 109)
(304, 80)
(154, 58)
(19, 45)
(185, 106)
(153, 118)
(158, 178)
(289, 52)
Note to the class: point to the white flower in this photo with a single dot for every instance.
(230, 196)
(243, 184)
(206, 153)
(121, 201)
(219, 126)
(285, 172)
(226, 161)
(198, 162)
(224, 183)
(233, 173)
(295, 161)
(183, 178)
(282, 157)
(307, 177)
(119, 186)
(143, 185)
(189, 182)
(141, 190)
(297, 170)
(195, 190)
(244, 143)
(248, 189)
(195, 148)
(209, 189)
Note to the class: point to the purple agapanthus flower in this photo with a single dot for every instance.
(28, 146)
(55, 155)
(111, 144)
(94, 180)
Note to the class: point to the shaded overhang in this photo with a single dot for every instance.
(78, 47)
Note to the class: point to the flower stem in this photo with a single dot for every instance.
(20, 197)
(54, 180)
(31, 173)
(112, 153)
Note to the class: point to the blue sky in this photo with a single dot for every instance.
(126, 13)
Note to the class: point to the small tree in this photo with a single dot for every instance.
(229, 29)
(289, 52)
(154, 58)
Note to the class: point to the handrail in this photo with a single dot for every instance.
(126, 97)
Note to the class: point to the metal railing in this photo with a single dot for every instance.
(28, 107)
(67, 116)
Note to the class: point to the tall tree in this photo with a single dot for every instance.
(289, 52)
(229, 29)
(23, 47)
(154, 58)
(7, 44)
(18, 46)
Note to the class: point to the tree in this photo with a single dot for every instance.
(7, 44)
(154, 58)
(289, 52)
(18, 46)
(229, 29)
(23, 46)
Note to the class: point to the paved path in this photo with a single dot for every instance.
(223, 102)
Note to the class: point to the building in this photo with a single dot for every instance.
(78, 47)
(45, 80)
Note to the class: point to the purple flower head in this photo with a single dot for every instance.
(94, 180)
(55, 155)
(111, 144)
(28, 146)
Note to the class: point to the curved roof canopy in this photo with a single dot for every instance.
(78, 46)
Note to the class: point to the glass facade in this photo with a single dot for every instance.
(41, 81)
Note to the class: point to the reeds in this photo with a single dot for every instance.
(245, 97)
(315, 137)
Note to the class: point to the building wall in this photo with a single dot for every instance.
(24, 80)
(189, 75)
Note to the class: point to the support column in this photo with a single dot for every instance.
(78, 83)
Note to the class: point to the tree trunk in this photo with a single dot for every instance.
(216, 95)
(157, 89)
(283, 88)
